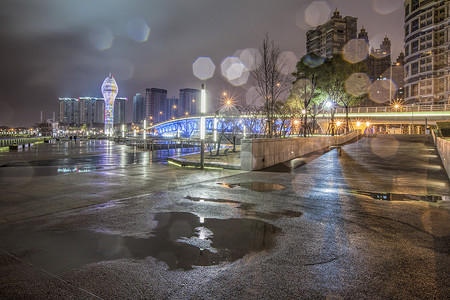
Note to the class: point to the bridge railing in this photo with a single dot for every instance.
(406, 108)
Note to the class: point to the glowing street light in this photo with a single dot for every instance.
(215, 129)
(123, 130)
(358, 124)
(145, 129)
(202, 125)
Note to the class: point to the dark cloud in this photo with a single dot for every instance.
(47, 48)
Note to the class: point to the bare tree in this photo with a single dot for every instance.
(271, 83)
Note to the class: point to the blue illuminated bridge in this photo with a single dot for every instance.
(412, 117)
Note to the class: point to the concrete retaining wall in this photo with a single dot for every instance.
(257, 154)
(443, 147)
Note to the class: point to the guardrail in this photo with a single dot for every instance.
(21, 141)
(408, 108)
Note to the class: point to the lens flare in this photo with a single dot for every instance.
(251, 58)
(203, 68)
(252, 97)
(356, 50)
(138, 30)
(312, 61)
(234, 71)
(385, 7)
(101, 38)
(382, 91)
(317, 13)
(287, 62)
(358, 84)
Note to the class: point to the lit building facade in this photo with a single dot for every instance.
(99, 116)
(188, 101)
(172, 108)
(155, 103)
(109, 92)
(69, 111)
(380, 59)
(427, 51)
(138, 108)
(119, 110)
(329, 38)
(87, 110)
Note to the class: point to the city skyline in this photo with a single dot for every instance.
(66, 49)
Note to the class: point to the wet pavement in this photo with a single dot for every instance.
(372, 223)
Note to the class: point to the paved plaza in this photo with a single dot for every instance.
(94, 219)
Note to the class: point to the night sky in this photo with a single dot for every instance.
(60, 48)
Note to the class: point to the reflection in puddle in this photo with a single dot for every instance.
(399, 197)
(27, 171)
(75, 170)
(255, 186)
(181, 240)
(248, 208)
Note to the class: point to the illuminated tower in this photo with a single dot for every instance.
(109, 91)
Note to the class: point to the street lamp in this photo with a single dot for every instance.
(202, 125)
(145, 129)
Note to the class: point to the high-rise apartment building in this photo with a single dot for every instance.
(69, 111)
(380, 59)
(188, 101)
(138, 108)
(328, 39)
(99, 117)
(119, 110)
(427, 51)
(154, 107)
(172, 108)
(87, 110)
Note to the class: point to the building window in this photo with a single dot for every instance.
(414, 25)
(407, 10)
(414, 90)
(414, 47)
(414, 68)
(406, 50)
(406, 29)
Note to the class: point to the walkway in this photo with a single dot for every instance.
(323, 230)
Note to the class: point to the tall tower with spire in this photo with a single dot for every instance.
(109, 91)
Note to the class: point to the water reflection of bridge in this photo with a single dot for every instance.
(411, 119)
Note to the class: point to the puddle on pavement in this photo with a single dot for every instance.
(181, 240)
(247, 209)
(255, 186)
(399, 197)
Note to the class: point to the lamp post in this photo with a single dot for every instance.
(144, 134)
(202, 126)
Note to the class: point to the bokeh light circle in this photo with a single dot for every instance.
(357, 84)
(251, 58)
(385, 7)
(356, 50)
(317, 13)
(203, 68)
(234, 71)
(287, 62)
(138, 30)
(252, 97)
(312, 61)
(101, 38)
(382, 91)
